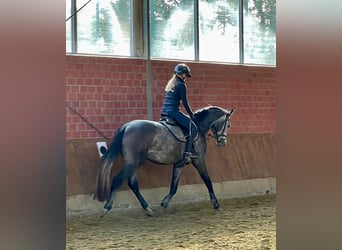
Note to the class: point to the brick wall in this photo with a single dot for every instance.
(111, 91)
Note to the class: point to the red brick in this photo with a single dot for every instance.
(120, 92)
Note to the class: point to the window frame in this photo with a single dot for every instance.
(140, 29)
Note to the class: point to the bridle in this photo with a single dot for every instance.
(226, 125)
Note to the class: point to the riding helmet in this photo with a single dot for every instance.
(182, 69)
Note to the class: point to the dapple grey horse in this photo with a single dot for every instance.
(141, 140)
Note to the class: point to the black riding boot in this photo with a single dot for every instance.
(189, 151)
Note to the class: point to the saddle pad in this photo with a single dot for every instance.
(174, 129)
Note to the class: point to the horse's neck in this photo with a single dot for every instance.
(204, 126)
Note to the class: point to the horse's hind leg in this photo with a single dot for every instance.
(176, 173)
(133, 184)
(124, 173)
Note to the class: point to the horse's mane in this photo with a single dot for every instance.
(202, 113)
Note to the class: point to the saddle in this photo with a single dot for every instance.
(178, 132)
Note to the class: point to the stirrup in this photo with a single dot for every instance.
(191, 154)
(186, 157)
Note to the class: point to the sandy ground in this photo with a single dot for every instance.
(244, 223)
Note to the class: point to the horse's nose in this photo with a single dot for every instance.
(222, 142)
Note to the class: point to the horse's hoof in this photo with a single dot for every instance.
(165, 202)
(149, 212)
(104, 213)
(107, 206)
(217, 208)
(163, 205)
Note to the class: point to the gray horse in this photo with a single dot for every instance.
(140, 140)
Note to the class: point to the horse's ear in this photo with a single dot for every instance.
(231, 112)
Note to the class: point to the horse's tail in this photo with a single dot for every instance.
(105, 170)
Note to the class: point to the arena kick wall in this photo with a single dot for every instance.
(109, 92)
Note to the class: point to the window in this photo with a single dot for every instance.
(260, 32)
(237, 31)
(68, 27)
(102, 27)
(172, 29)
(219, 30)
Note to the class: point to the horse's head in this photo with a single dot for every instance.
(220, 128)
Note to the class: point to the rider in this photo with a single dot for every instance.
(176, 91)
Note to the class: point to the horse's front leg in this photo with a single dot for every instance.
(201, 167)
(176, 173)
